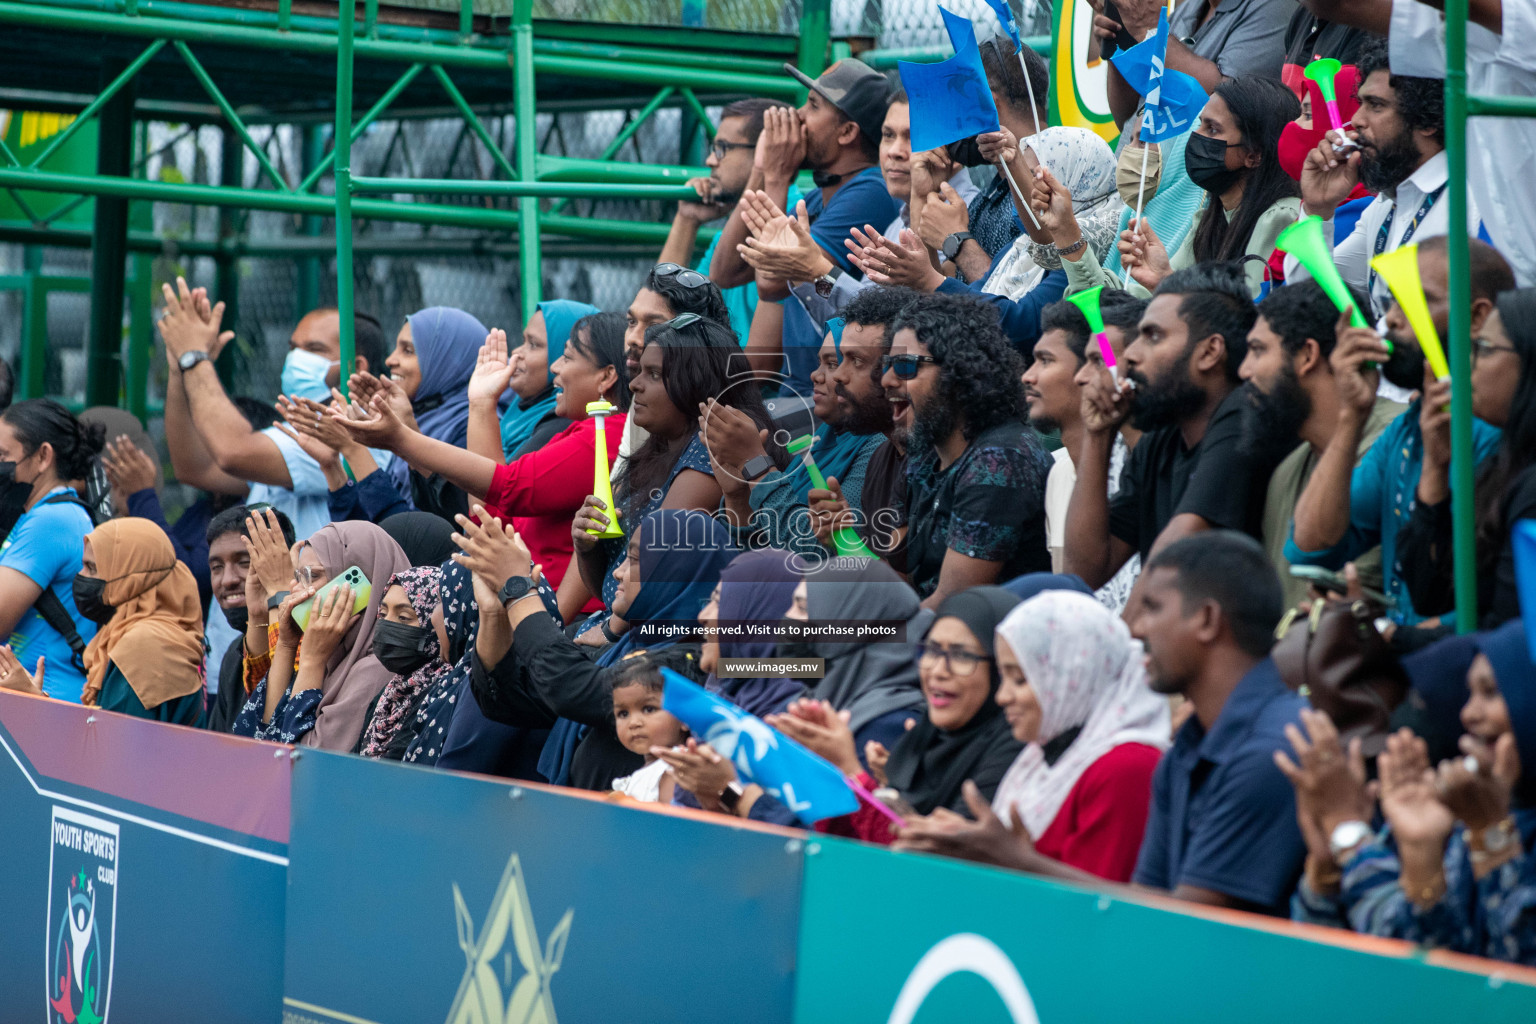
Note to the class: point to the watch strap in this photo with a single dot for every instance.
(757, 467)
(514, 589)
(276, 600)
(192, 358)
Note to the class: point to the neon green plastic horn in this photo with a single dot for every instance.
(1088, 302)
(845, 539)
(1323, 71)
(1304, 240)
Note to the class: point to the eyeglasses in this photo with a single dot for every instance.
(906, 366)
(720, 147)
(1483, 347)
(960, 662)
(689, 279)
(309, 575)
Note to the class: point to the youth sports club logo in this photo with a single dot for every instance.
(82, 913)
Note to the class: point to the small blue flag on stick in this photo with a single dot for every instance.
(949, 100)
(1173, 99)
(1005, 19)
(808, 785)
(1523, 539)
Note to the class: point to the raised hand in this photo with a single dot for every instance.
(379, 427)
(1410, 799)
(184, 329)
(13, 676)
(758, 210)
(490, 549)
(493, 370)
(824, 731)
(1330, 786)
(329, 620)
(128, 470)
(942, 215)
(786, 250)
(877, 757)
(271, 563)
(1476, 786)
(1052, 203)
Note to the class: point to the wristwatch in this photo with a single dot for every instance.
(515, 589)
(731, 796)
(824, 285)
(952, 244)
(756, 467)
(276, 599)
(1494, 839)
(1347, 835)
(191, 359)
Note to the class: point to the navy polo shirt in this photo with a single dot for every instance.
(1223, 816)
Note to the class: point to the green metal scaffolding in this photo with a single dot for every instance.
(599, 66)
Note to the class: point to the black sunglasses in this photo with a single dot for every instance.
(682, 275)
(905, 366)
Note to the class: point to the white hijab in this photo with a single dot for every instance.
(1085, 670)
(1085, 164)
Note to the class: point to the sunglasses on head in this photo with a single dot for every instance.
(689, 279)
(683, 320)
(905, 367)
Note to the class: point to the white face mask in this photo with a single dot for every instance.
(304, 375)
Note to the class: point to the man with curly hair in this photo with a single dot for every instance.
(976, 474)
(1400, 129)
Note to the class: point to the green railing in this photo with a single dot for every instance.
(1459, 106)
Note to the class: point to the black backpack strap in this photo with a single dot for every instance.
(56, 615)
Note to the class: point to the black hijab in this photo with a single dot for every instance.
(930, 764)
(425, 538)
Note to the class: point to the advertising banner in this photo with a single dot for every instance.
(905, 939)
(418, 896)
(143, 869)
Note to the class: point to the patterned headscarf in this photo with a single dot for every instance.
(461, 621)
(1086, 672)
(421, 589)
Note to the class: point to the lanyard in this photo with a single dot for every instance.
(1413, 225)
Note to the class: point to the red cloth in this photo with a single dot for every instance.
(542, 491)
(1099, 828)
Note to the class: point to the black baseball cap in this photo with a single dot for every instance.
(853, 87)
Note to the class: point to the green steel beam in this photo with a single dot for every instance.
(34, 328)
(681, 58)
(1463, 525)
(141, 337)
(473, 120)
(884, 60)
(528, 189)
(390, 95)
(1501, 106)
(232, 118)
(568, 168)
(341, 157)
(625, 134)
(530, 261)
(783, 47)
(699, 112)
(815, 35)
(100, 101)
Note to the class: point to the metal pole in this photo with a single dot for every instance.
(815, 35)
(309, 266)
(1462, 510)
(342, 156)
(226, 265)
(525, 101)
(109, 247)
(34, 328)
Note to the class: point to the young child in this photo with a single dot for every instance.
(641, 723)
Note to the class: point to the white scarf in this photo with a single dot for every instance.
(1085, 670)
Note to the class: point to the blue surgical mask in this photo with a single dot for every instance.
(304, 375)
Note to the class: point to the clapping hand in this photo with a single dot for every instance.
(700, 770)
(490, 549)
(379, 427)
(1410, 797)
(1476, 787)
(823, 730)
(493, 370)
(184, 329)
(365, 388)
(785, 249)
(14, 676)
(1330, 786)
(904, 263)
(128, 470)
(985, 840)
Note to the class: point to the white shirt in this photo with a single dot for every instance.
(1354, 253)
(1058, 496)
(1501, 151)
(645, 784)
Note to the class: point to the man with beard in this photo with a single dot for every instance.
(1400, 129)
(768, 507)
(730, 168)
(1294, 395)
(879, 508)
(1055, 402)
(1191, 472)
(1347, 509)
(976, 473)
(229, 563)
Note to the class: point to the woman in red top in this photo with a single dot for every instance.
(1074, 689)
(542, 490)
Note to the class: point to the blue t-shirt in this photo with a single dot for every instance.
(740, 302)
(1223, 816)
(47, 545)
(863, 199)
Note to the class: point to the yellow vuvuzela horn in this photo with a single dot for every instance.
(1400, 269)
(602, 486)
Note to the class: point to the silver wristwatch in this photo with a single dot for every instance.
(1347, 835)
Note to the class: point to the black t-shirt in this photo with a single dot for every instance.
(1307, 39)
(1220, 479)
(883, 500)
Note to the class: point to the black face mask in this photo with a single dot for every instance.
(88, 599)
(1205, 161)
(238, 618)
(966, 153)
(403, 649)
(13, 498)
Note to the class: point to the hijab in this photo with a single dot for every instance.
(353, 676)
(400, 694)
(835, 451)
(1088, 674)
(682, 554)
(1510, 658)
(447, 342)
(1032, 583)
(1296, 142)
(523, 417)
(426, 539)
(428, 728)
(868, 679)
(1085, 164)
(929, 764)
(155, 636)
(758, 586)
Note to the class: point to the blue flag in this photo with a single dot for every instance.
(949, 100)
(808, 785)
(1005, 19)
(1523, 539)
(1173, 99)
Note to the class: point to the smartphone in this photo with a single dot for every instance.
(362, 590)
(1334, 583)
(894, 800)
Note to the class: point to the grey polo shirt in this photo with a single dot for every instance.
(1242, 37)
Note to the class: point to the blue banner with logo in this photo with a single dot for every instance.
(1173, 99)
(422, 896)
(144, 867)
(950, 100)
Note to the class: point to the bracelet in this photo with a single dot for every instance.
(1069, 250)
(1427, 895)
